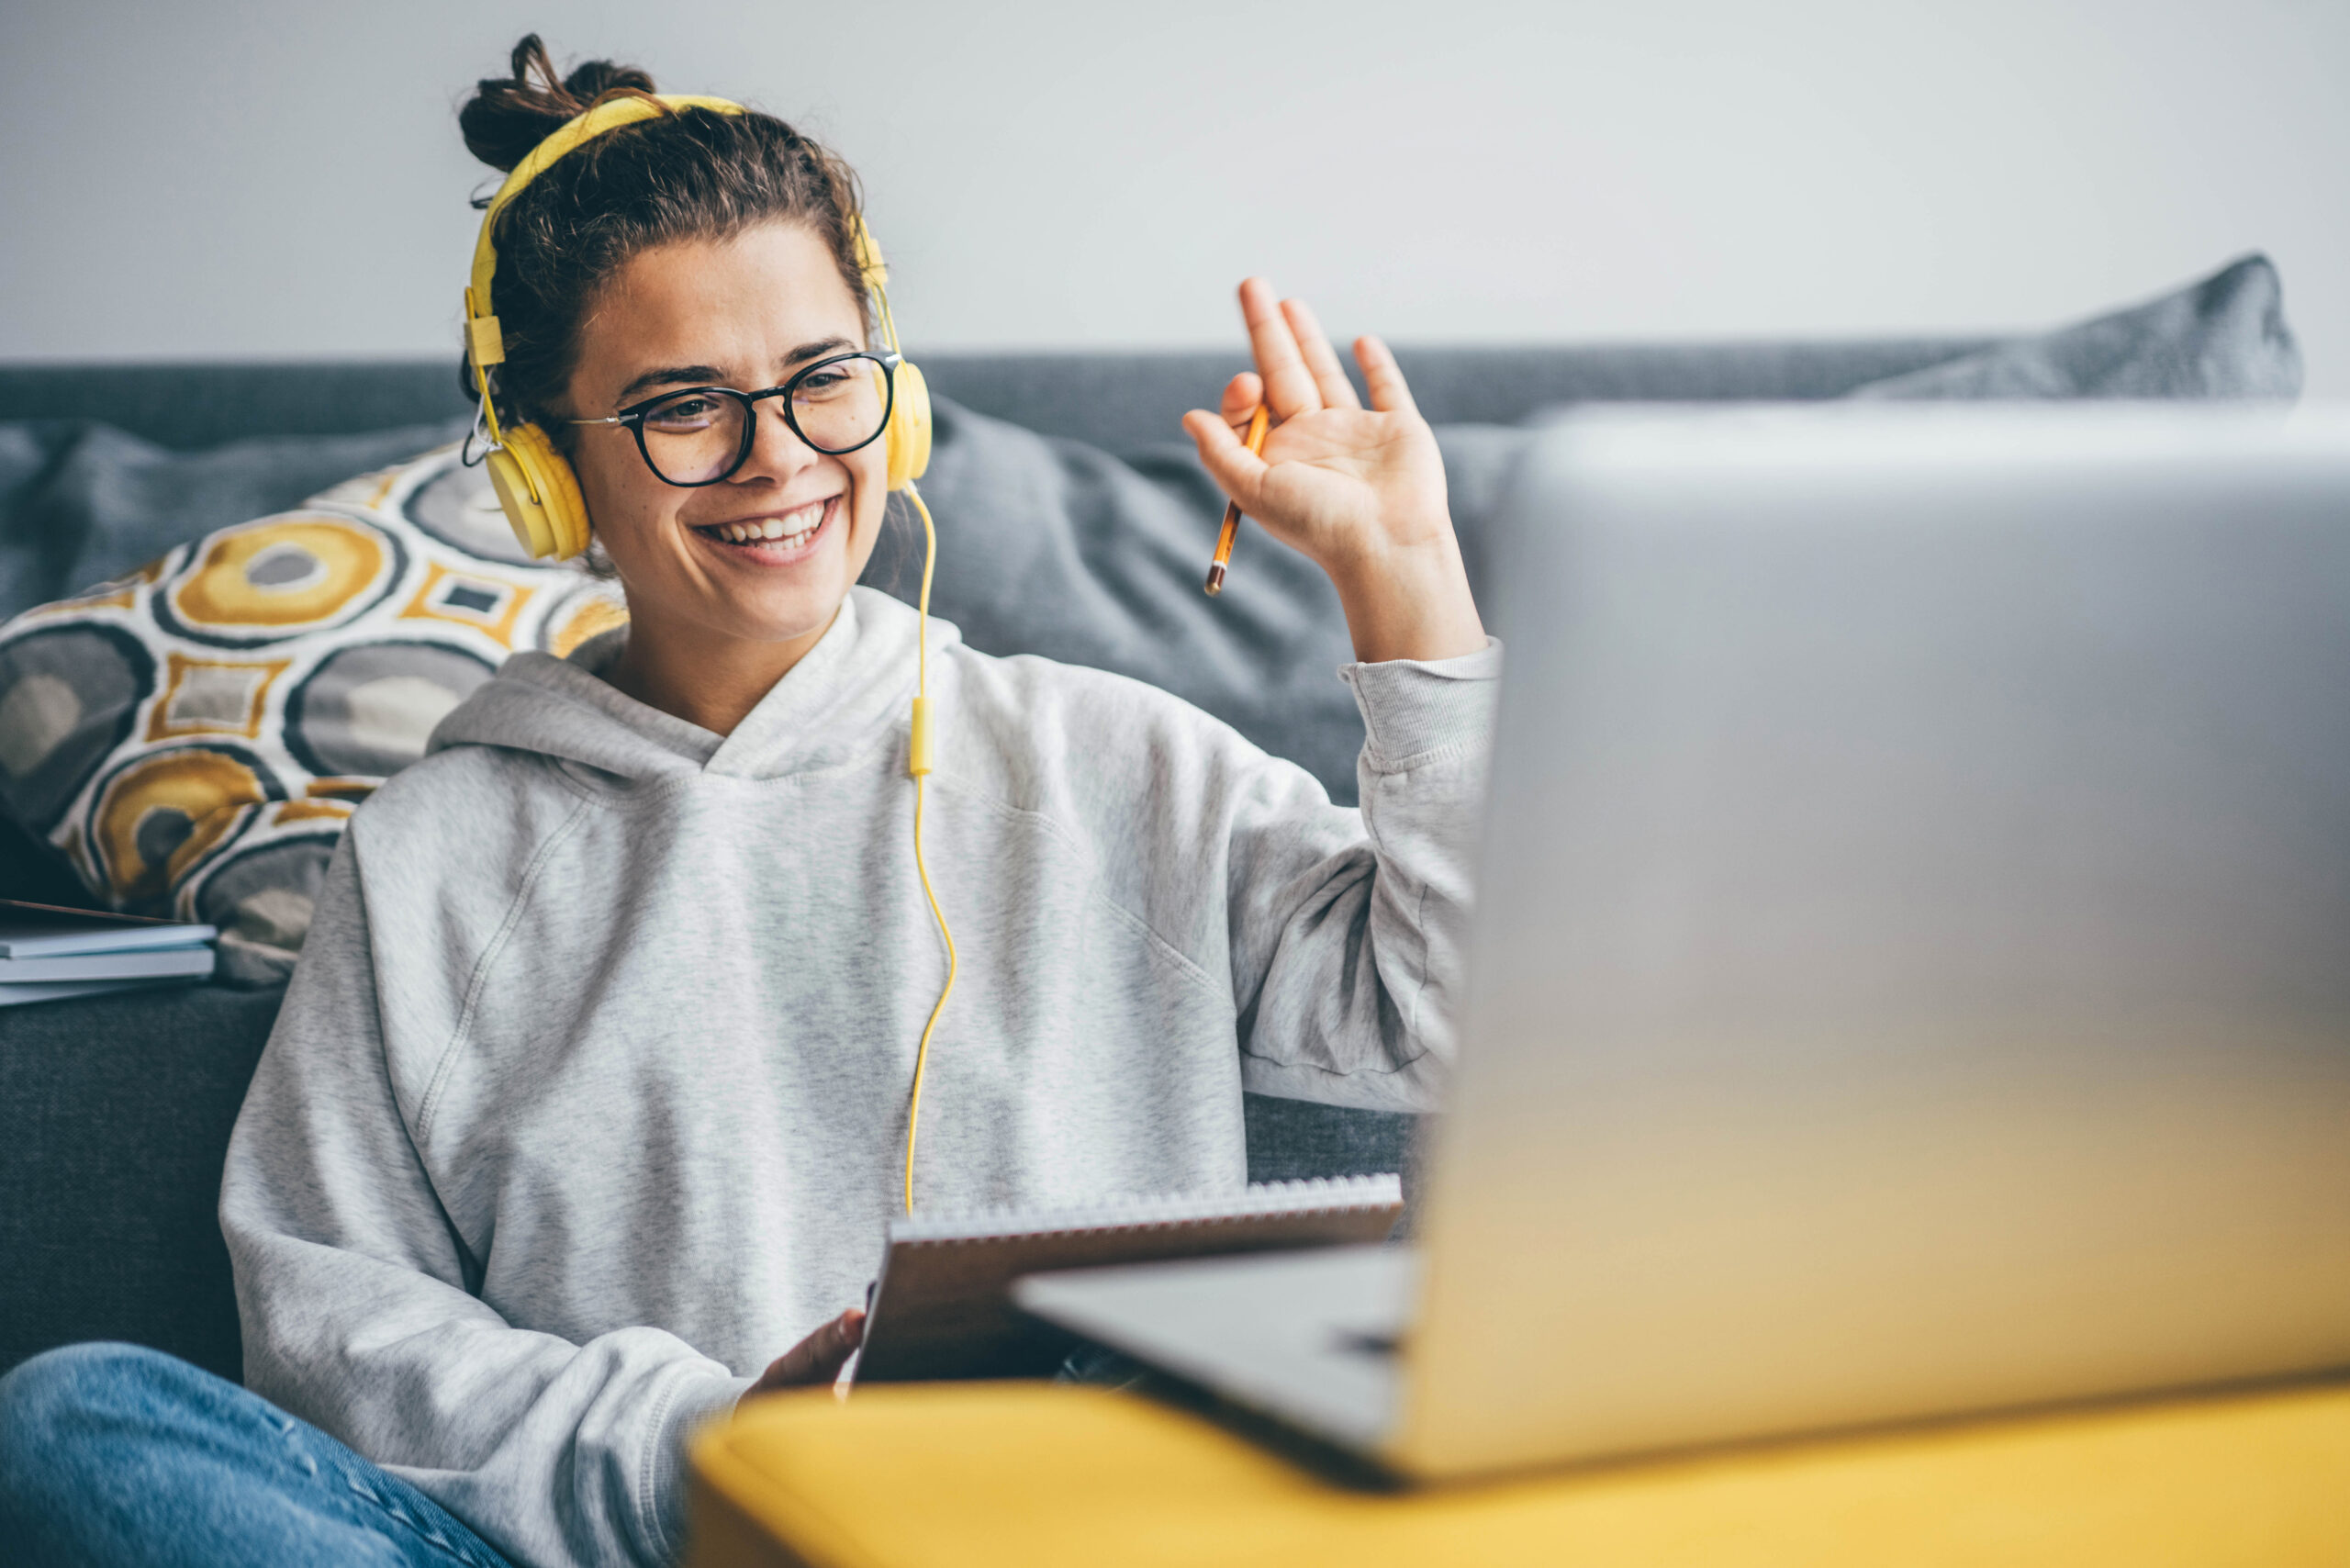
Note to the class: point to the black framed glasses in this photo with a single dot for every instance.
(704, 435)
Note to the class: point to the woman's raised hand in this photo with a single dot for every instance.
(1358, 491)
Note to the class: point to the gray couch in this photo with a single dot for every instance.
(115, 1111)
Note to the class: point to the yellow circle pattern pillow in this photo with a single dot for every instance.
(193, 736)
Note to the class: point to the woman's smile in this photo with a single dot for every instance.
(772, 539)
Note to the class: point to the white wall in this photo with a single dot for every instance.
(275, 178)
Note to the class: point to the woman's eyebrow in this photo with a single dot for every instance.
(675, 375)
(835, 344)
(710, 376)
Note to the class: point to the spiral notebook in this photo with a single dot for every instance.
(942, 1308)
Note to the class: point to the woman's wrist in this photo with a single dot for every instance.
(1408, 601)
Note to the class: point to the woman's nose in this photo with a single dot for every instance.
(777, 451)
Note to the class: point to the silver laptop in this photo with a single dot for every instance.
(1912, 967)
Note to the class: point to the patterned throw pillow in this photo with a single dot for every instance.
(192, 736)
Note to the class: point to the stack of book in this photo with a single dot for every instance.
(47, 952)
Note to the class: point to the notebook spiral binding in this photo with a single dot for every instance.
(1317, 1194)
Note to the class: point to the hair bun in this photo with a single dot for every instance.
(507, 115)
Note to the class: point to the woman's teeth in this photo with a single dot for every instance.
(792, 529)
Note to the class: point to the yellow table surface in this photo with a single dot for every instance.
(975, 1474)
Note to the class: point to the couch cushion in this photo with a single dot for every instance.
(2224, 337)
(83, 503)
(116, 1111)
(193, 734)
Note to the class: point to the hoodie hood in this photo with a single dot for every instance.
(850, 693)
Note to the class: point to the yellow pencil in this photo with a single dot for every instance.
(1257, 424)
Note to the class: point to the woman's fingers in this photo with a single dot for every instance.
(1229, 461)
(1321, 358)
(1301, 371)
(847, 1338)
(1289, 384)
(820, 1357)
(1383, 376)
(1241, 396)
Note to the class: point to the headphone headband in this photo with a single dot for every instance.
(609, 115)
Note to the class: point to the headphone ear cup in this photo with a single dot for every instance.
(540, 493)
(908, 441)
(523, 512)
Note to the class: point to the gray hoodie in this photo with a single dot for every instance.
(589, 1092)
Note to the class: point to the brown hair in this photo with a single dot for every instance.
(690, 174)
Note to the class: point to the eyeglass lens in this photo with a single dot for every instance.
(694, 438)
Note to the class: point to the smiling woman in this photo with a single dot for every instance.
(697, 249)
(590, 1091)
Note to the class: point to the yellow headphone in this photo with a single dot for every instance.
(541, 493)
(535, 483)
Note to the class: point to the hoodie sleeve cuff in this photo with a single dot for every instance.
(690, 1409)
(1416, 711)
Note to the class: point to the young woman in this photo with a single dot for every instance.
(589, 1095)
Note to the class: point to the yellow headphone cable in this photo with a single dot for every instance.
(919, 754)
(918, 762)
(918, 737)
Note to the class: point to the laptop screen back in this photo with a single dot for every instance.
(1913, 968)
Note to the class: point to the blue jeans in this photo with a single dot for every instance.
(115, 1454)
